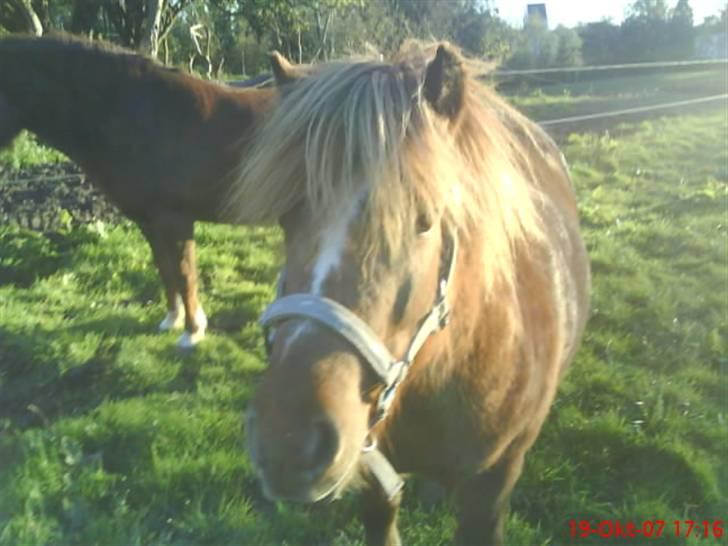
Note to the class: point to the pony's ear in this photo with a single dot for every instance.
(283, 71)
(445, 82)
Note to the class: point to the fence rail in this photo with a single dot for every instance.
(596, 68)
(628, 111)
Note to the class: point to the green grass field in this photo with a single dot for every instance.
(110, 436)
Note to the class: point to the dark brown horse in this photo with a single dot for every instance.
(435, 288)
(158, 142)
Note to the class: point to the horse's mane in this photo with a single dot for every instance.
(365, 125)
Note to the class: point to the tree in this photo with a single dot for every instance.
(569, 47)
(138, 24)
(482, 33)
(682, 31)
(26, 16)
(536, 47)
(600, 42)
(644, 35)
(85, 16)
(149, 40)
(649, 9)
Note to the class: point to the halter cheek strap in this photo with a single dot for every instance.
(359, 335)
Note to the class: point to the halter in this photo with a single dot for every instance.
(356, 332)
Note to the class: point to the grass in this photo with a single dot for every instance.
(25, 151)
(108, 435)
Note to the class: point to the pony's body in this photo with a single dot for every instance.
(371, 168)
(500, 394)
(158, 142)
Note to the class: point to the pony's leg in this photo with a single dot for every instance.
(195, 319)
(379, 516)
(483, 503)
(175, 318)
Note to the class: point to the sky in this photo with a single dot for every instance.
(572, 12)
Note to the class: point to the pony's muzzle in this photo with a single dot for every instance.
(293, 465)
(320, 448)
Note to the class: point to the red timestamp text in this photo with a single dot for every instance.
(655, 528)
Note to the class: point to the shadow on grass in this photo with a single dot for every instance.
(35, 390)
(26, 257)
(234, 317)
(34, 393)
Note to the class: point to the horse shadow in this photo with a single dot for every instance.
(36, 391)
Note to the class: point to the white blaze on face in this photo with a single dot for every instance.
(331, 249)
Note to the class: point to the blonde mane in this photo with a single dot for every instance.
(365, 127)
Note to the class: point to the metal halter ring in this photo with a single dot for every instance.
(370, 443)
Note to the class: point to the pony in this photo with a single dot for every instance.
(434, 291)
(158, 142)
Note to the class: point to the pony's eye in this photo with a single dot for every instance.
(424, 223)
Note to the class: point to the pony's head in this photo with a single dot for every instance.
(372, 170)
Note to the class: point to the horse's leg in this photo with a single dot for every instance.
(172, 240)
(483, 502)
(379, 516)
(175, 318)
(195, 319)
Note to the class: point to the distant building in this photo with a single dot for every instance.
(537, 11)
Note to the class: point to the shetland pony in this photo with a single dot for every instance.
(434, 292)
(158, 142)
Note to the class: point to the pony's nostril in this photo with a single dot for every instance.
(321, 447)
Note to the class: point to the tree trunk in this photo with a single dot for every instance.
(31, 17)
(332, 49)
(323, 32)
(152, 22)
(85, 15)
(44, 15)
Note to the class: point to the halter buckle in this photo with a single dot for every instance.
(387, 395)
(443, 313)
(370, 443)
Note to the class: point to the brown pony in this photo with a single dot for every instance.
(158, 142)
(424, 218)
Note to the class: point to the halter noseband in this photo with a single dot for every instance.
(391, 371)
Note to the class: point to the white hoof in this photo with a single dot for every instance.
(189, 341)
(201, 319)
(174, 320)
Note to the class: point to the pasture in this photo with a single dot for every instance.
(109, 435)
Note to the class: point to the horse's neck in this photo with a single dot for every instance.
(32, 93)
(60, 131)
